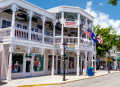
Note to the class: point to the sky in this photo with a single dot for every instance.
(105, 14)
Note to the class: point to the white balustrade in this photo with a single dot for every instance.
(35, 36)
(85, 42)
(57, 39)
(21, 33)
(5, 32)
(70, 40)
(48, 39)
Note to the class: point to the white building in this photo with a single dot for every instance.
(31, 39)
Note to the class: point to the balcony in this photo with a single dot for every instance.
(24, 35)
(73, 40)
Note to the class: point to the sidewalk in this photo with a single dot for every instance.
(49, 80)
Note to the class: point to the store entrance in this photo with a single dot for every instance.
(59, 68)
(28, 67)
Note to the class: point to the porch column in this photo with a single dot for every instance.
(43, 28)
(86, 26)
(86, 60)
(78, 30)
(54, 23)
(2, 61)
(78, 68)
(9, 63)
(92, 58)
(12, 34)
(30, 23)
(95, 61)
(52, 72)
(62, 30)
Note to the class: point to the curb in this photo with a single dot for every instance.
(65, 82)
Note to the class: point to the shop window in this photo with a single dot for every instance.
(17, 63)
(6, 24)
(71, 62)
(50, 62)
(38, 62)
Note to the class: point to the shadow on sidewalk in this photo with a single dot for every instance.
(2, 83)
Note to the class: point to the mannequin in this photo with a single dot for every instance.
(16, 66)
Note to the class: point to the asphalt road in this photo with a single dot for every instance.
(111, 80)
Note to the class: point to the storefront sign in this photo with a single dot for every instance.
(56, 46)
(70, 47)
(71, 24)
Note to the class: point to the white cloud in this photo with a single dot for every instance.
(102, 18)
(100, 4)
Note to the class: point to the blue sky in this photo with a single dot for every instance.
(104, 13)
(113, 11)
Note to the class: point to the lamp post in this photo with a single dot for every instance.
(64, 45)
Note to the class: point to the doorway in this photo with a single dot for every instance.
(59, 67)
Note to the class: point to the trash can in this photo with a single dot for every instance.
(89, 71)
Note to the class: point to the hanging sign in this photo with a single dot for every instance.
(71, 24)
(70, 46)
(56, 46)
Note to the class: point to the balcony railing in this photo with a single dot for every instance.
(70, 40)
(24, 35)
(5, 32)
(85, 42)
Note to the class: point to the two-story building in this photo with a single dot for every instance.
(31, 39)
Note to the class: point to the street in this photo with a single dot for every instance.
(112, 80)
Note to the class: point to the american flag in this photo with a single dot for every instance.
(88, 32)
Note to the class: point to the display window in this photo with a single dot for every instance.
(71, 62)
(17, 63)
(38, 62)
(50, 62)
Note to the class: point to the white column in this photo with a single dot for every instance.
(54, 23)
(86, 25)
(78, 68)
(30, 23)
(95, 61)
(78, 29)
(86, 60)
(52, 72)
(9, 63)
(62, 30)
(92, 58)
(43, 28)
(2, 61)
(13, 20)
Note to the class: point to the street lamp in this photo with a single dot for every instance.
(109, 63)
(64, 45)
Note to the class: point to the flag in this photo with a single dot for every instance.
(99, 38)
(93, 37)
(88, 32)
